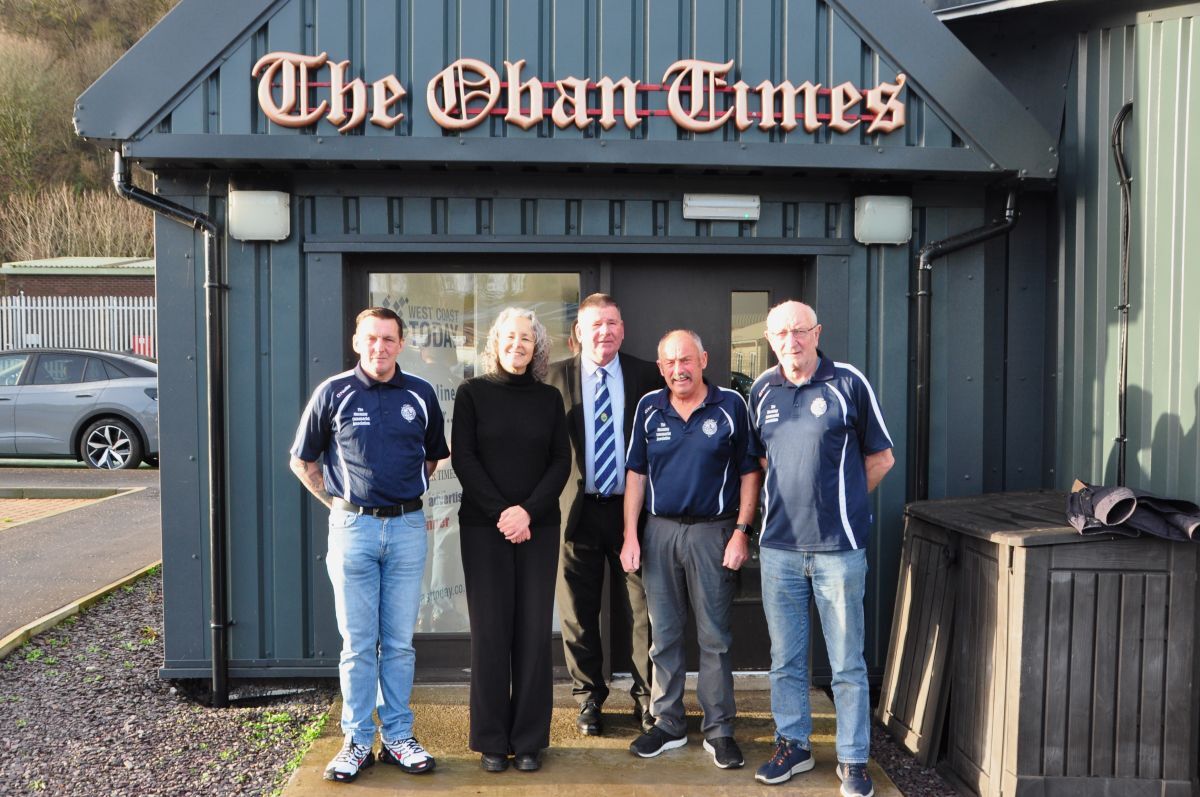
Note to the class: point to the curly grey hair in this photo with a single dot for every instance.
(540, 365)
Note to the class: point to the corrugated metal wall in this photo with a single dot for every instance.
(1155, 62)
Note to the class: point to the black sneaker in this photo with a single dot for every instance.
(350, 760)
(787, 760)
(408, 754)
(654, 741)
(725, 752)
(855, 780)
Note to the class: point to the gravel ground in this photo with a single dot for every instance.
(83, 712)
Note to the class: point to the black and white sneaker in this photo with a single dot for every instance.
(408, 754)
(350, 760)
(654, 741)
(725, 752)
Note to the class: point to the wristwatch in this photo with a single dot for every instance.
(744, 528)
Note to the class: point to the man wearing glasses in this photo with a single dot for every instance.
(826, 447)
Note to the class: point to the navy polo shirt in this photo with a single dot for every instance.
(375, 437)
(815, 436)
(694, 467)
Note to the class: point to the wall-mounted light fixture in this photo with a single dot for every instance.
(721, 207)
(882, 219)
(259, 215)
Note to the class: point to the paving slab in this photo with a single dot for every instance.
(577, 765)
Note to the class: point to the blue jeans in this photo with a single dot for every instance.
(375, 566)
(837, 581)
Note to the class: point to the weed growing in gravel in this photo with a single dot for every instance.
(22, 722)
(312, 729)
(34, 654)
(127, 645)
(37, 785)
(149, 635)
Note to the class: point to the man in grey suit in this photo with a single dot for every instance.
(600, 388)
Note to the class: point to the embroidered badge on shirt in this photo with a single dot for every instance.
(771, 415)
(710, 427)
(343, 391)
(408, 412)
(663, 432)
(361, 418)
(818, 407)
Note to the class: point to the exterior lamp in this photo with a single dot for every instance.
(721, 207)
(882, 219)
(259, 215)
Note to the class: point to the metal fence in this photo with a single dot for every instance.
(109, 323)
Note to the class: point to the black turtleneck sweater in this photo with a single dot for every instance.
(509, 447)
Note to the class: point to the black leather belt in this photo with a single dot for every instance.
(691, 520)
(378, 511)
(596, 498)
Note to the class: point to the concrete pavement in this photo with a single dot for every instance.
(50, 562)
(578, 765)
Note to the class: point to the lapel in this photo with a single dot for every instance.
(575, 388)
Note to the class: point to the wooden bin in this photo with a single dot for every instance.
(1070, 665)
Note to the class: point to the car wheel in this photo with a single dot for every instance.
(110, 444)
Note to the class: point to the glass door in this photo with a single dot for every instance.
(447, 315)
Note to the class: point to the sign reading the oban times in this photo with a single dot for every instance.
(699, 98)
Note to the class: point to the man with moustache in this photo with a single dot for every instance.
(824, 447)
(600, 386)
(692, 462)
(378, 433)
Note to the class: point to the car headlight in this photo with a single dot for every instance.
(152, 392)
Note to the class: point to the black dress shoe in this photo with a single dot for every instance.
(527, 762)
(493, 762)
(589, 721)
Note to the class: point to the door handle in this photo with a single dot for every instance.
(85, 395)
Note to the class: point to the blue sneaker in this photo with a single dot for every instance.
(855, 780)
(789, 759)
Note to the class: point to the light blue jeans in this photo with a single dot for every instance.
(837, 581)
(375, 566)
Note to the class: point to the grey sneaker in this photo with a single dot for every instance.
(654, 741)
(855, 780)
(408, 754)
(350, 760)
(725, 752)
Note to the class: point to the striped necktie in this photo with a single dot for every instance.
(605, 458)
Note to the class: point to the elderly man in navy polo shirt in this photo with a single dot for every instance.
(825, 448)
(691, 461)
(379, 434)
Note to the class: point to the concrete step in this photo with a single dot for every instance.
(582, 766)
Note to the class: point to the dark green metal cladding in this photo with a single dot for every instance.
(959, 118)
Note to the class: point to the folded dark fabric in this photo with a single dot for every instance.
(1120, 510)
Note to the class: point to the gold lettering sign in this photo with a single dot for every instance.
(699, 98)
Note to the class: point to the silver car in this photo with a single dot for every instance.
(94, 406)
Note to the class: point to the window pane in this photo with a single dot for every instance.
(94, 372)
(10, 368)
(446, 320)
(58, 369)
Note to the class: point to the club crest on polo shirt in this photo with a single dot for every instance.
(662, 432)
(709, 427)
(818, 407)
(771, 415)
(360, 418)
(408, 412)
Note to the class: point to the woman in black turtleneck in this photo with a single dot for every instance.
(510, 450)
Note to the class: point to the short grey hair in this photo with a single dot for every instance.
(696, 338)
(540, 364)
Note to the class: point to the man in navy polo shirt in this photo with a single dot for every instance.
(693, 464)
(379, 435)
(825, 447)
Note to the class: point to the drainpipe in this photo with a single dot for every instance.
(1117, 142)
(214, 313)
(930, 251)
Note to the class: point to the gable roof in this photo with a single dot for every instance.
(184, 93)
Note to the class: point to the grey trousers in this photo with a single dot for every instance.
(681, 563)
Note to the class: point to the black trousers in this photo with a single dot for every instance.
(595, 545)
(510, 597)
